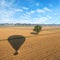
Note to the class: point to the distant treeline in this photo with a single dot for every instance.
(24, 24)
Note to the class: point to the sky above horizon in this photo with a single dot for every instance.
(30, 11)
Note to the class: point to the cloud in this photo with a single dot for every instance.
(17, 10)
(49, 17)
(25, 16)
(40, 20)
(5, 3)
(55, 14)
(25, 8)
(36, 11)
(37, 4)
(40, 11)
(32, 12)
(10, 14)
(47, 9)
(43, 10)
(36, 20)
(7, 12)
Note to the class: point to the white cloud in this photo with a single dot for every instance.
(40, 20)
(18, 10)
(32, 12)
(24, 21)
(7, 16)
(35, 11)
(25, 16)
(47, 9)
(25, 8)
(49, 17)
(34, 20)
(7, 11)
(40, 11)
(55, 14)
(37, 4)
(4, 3)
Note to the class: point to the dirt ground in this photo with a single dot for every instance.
(45, 46)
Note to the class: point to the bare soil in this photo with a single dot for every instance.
(44, 46)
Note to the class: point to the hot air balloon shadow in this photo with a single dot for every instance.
(16, 41)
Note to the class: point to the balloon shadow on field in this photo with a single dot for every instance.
(16, 41)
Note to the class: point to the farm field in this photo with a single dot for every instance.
(45, 46)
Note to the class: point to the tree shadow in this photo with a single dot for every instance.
(42, 34)
(16, 41)
(34, 33)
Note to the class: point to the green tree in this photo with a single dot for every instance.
(37, 29)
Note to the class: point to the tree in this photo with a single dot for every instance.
(37, 29)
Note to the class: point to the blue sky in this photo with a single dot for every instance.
(30, 11)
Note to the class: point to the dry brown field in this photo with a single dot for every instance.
(45, 46)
